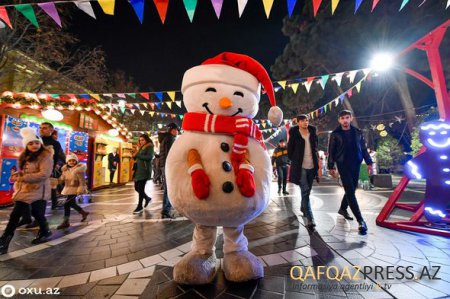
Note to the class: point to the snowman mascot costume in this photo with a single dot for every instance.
(218, 171)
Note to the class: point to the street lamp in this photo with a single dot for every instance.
(382, 62)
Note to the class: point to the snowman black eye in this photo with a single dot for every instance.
(211, 89)
(238, 93)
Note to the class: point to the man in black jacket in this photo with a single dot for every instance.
(347, 149)
(303, 153)
(59, 158)
(113, 163)
(164, 149)
(281, 161)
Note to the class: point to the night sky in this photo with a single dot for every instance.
(157, 55)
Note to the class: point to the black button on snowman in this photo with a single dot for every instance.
(218, 171)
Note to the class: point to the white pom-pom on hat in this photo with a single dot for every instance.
(29, 134)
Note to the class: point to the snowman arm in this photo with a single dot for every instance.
(194, 161)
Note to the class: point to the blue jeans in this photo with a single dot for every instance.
(306, 181)
(282, 176)
(166, 206)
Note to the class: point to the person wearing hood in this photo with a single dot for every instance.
(32, 187)
(73, 176)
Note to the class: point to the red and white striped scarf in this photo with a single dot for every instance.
(239, 127)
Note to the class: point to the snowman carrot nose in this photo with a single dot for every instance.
(225, 103)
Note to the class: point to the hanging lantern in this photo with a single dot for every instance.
(52, 114)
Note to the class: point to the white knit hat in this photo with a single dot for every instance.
(29, 134)
(71, 157)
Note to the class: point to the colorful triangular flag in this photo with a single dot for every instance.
(107, 6)
(282, 84)
(448, 4)
(159, 95)
(142, 112)
(190, 6)
(291, 5)
(357, 4)
(132, 94)
(374, 3)
(50, 9)
(152, 105)
(178, 103)
(316, 5)
(145, 95)
(323, 80)
(308, 83)
(132, 111)
(4, 16)
(334, 4)
(352, 75)
(138, 6)
(403, 4)
(358, 86)
(28, 12)
(338, 78)
(350, 92)
(158, 104)
(267, 7)
(336, 102)
(171, 95)
(145, 105)
(294, 87)
(217, 4)
(169, 104)
(342, 98)
(241, 6)
(161, 7)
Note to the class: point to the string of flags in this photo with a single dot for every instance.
(108, 7)
(338, 100)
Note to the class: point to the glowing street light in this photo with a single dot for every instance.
(382, 62)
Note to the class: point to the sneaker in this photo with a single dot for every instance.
(138, 210)
(147, 201)
(285, 192)
(65, 224)
(279, 190)
(362, 228)
(41, 237)
(345, 214)
(310, 223)
(32, 224)
(165, 216)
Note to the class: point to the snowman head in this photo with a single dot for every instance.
(435, 135)
(228, 84)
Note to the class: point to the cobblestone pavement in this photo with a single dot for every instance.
(119, 255)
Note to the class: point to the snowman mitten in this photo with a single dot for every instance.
(245, 180)
(200, 183)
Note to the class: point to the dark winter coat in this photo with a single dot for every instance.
(280, 156)
(143, 166)
(296, 152)
(164, 148)
(112, 159)
(336, 147)
(59, 158)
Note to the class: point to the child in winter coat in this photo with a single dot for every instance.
(31, 187)
(74, 184)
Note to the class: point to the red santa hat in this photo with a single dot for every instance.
(236, 69)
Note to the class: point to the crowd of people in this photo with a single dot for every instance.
(43, 165)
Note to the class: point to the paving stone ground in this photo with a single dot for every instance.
(119, 255)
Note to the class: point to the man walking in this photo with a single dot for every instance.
(164, 149)
(347, 149)
(280, 158)
(113, 163)
(302, 151)
(59, 158)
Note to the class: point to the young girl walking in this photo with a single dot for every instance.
(31, 187)
(74, 184)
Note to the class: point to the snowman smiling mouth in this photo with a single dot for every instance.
(210, 112)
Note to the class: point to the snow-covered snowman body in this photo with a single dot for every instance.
(206, 181)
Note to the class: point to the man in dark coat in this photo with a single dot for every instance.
(113, 163)
(164, 148)
(347, 149)
(303, 153)
(281, 161)
(59, 158)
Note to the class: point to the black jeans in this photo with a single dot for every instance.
(306, 181)
(54, 198)
(282, 176)
(166, 206)
(139, 186)
(20, 208)
(71, 203)
(349, 176)
(111, 175)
